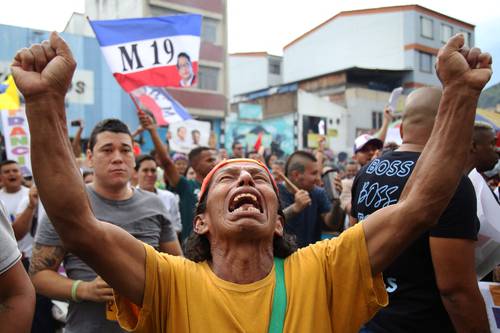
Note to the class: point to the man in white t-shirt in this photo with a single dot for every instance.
(146, 167)
(21, 205)
(17, 295)
(12, 193)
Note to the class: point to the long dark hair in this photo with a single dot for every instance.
(197, 247)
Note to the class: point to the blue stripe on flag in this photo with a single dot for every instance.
(179, 109)
(3, 88)
(112, 32)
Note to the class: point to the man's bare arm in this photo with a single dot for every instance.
(382, 132)
(335, 217)
(171, 173)
(45, 262)
(17, 300)
(454, 266)
(43, 271)
(388, 231)
(22, 223)
(43, 74)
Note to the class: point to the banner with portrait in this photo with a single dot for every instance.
(186, 135)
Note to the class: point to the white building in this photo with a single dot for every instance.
(351, 61)
(391, 38)
(253, 71)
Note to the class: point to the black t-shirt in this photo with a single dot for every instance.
(414, 301)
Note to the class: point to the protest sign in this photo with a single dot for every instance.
(17, 138)
(491, 294)
(189, 134)
(394, 98)
(154, 51)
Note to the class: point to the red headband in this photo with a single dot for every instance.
(208, 177)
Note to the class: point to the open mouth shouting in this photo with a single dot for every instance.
(245, 201)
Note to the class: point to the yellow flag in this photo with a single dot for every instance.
(9, 99)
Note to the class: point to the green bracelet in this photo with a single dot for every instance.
(73, 291)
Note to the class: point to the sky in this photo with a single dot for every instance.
(268, 25)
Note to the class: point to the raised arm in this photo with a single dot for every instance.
(43, 74)
(382, 132)
(463, 74)
(166, 162)
(24, 218)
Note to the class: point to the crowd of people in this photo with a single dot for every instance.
(382, 241)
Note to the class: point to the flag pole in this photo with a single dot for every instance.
(139, 111)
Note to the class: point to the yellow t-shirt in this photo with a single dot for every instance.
(329, 289)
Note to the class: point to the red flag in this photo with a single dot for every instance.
(258, 143)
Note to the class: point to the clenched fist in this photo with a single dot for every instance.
(302, 200)
(45, 68)
(459, 65)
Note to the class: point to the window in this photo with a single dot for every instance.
(446, 32)
(467, 38)
(162, 11)
(426, 27)
(425, 62)
(209, 30)
(377, 118)
(274, 67)
(208, 78)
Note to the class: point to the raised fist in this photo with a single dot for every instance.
(33, 196)
(45, 68)
(459, 65)
(146, 121)
(302, 200)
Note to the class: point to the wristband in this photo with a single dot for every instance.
(73, 291)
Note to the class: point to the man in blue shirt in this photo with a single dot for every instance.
(307, 208)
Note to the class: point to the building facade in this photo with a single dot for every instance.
(352, 61)
(207, 100)
(389, 38)
(253, 71)
(339, 105)
(95, 94)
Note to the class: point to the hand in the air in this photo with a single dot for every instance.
(388, 116)
(146, 122)
(33, 197)
(302, 200)
(458, 65)
(45, 68)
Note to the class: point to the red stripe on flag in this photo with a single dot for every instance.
(166, 76)
(151, 105)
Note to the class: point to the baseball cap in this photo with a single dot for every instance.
(364, 139)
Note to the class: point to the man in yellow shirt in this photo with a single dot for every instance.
(333, 285)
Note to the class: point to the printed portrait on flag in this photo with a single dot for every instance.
(155, 51)
(185, 69)
(186, 135)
